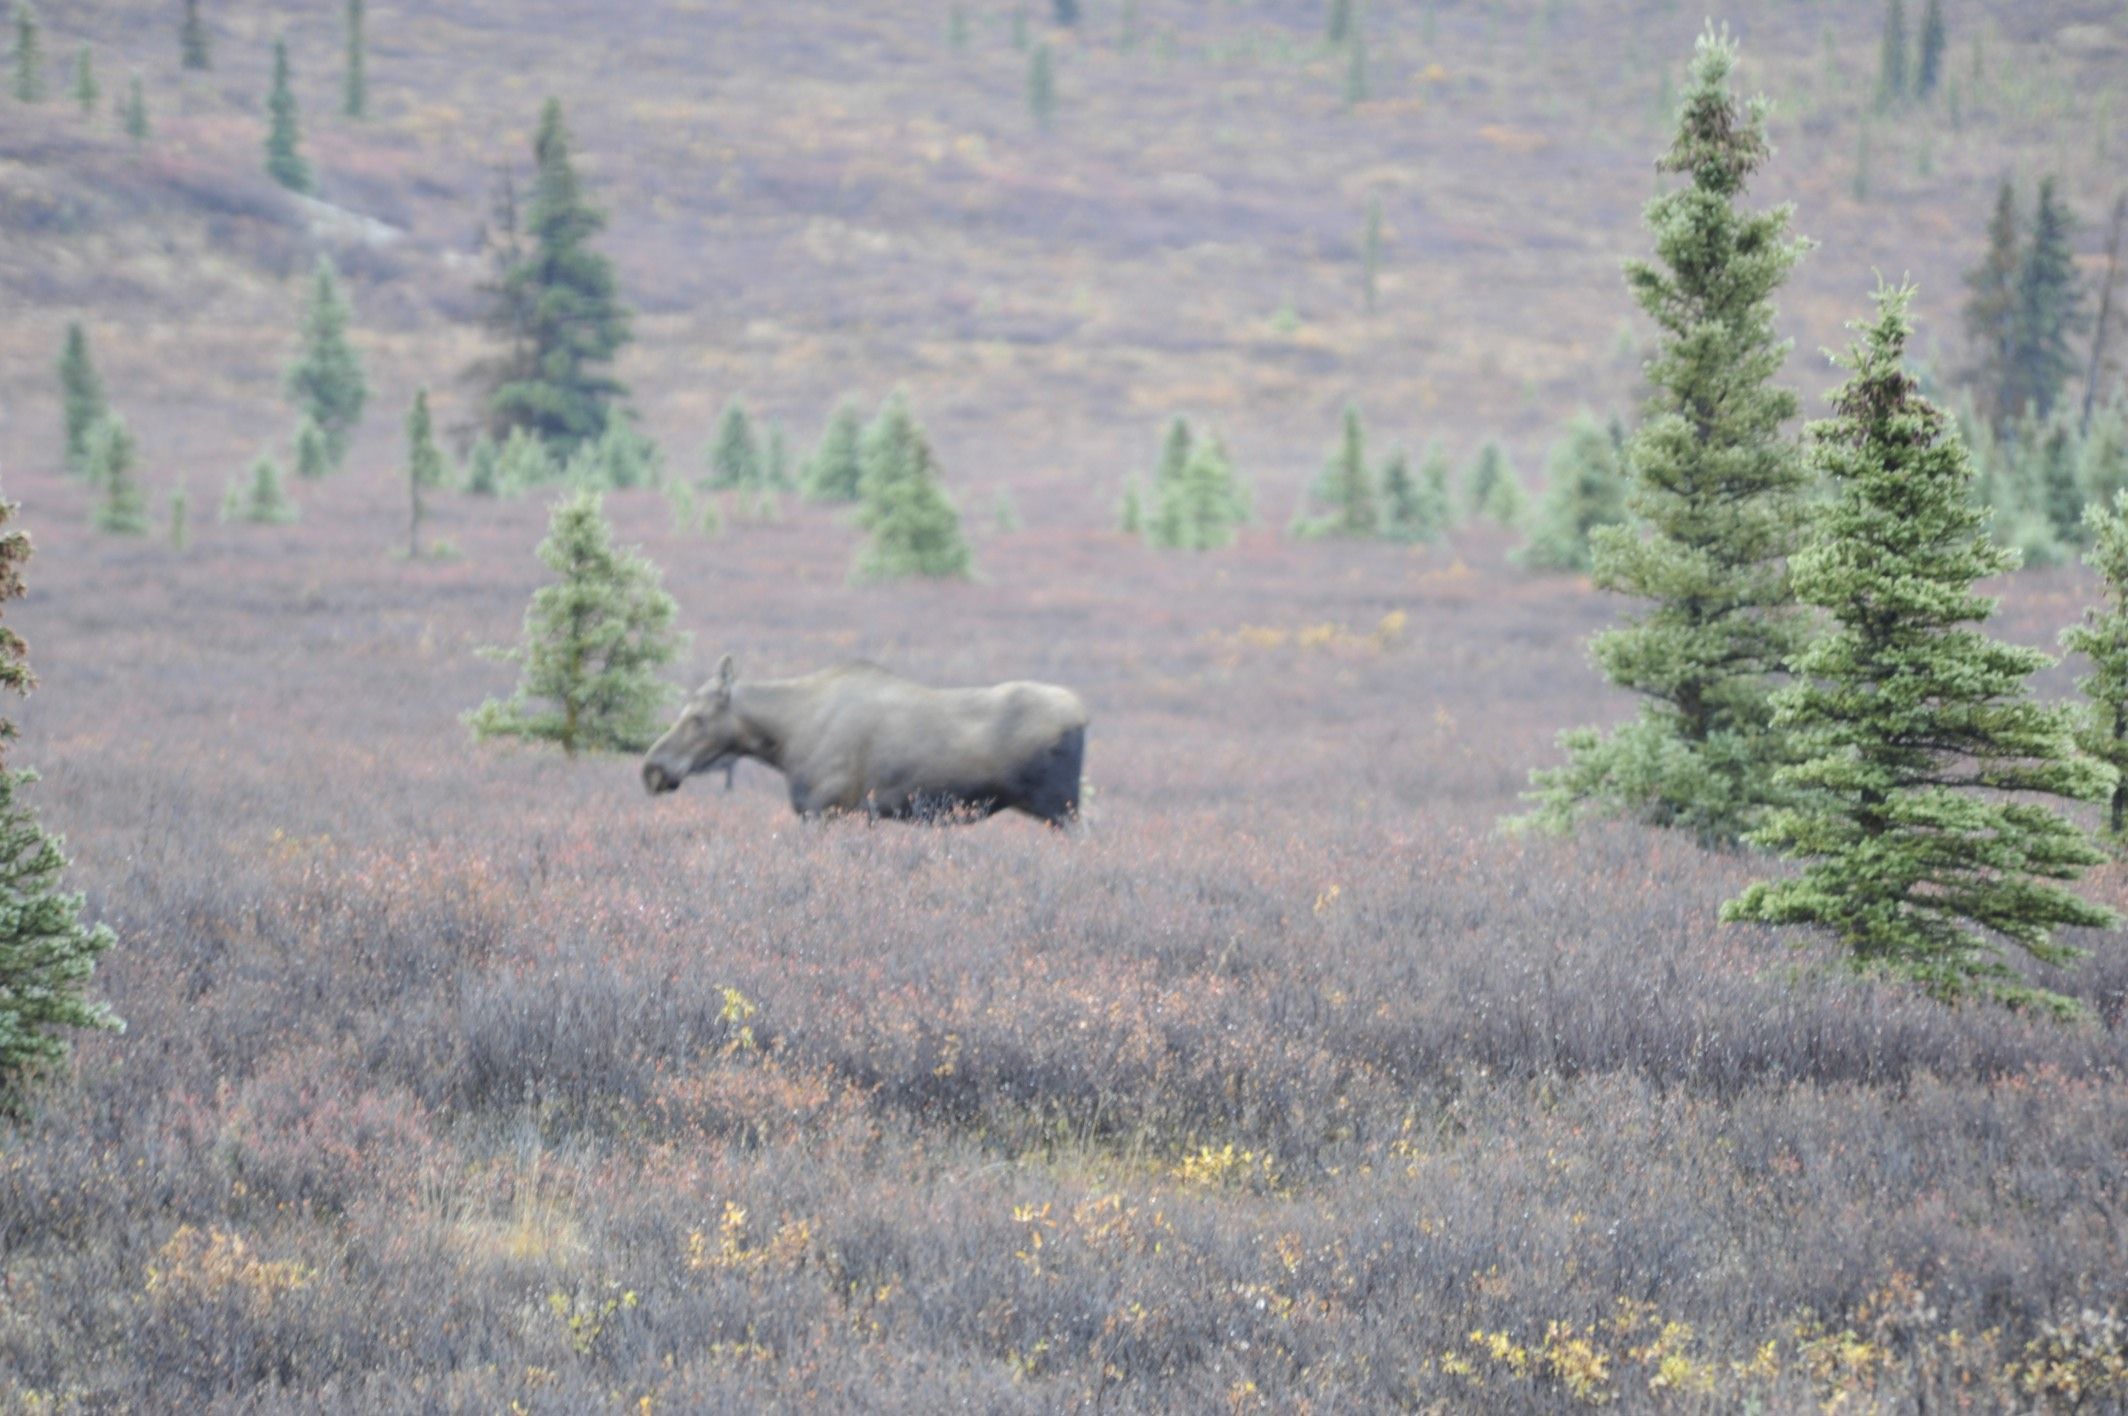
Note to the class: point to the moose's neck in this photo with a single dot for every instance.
(768, 711)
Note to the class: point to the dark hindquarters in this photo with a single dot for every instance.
(1049, 785)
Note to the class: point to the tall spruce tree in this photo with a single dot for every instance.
(424, 468)
(914, 528)
(28, 72)
(195, 46)
(325, 382)
(2103, 639)
(47, 955)
(1719, 495)
(284, 158)
(1919, 746)
(1991, 312)
(562, 298)
(1928, 67)
(836, 468)
(81, 397)
(2048, 307)
(354, 85)
(1586, 490)
(593, 643)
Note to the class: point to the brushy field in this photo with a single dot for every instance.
(467, 1077)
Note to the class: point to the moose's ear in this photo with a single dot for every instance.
(725, 674)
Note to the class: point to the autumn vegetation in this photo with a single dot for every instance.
(1290, 347)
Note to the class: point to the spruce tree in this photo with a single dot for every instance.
(113, 457)
(1130, 513)
(47, 955)
(180, 518)
(81, 397)
(1174, 458)
(1356, 70)
(1920, 747)
(1203, 505)
(1347, 485)
(2051, 455)
(2103, 639)
(86, 91)
(1371, 252)
(284, 161)
(776, 460)
(735, 454)
(1719, 497)
(135, 113)
(313, 455)
(833, 472)
(561, 297)
(2102, 457)
(626, 458)
(1493, 491)
(1891, 56)
(1586, 490)
(261, 498)
(1991, 312)
(424, 468)
(1042, 87)
(1415, 507)
(354, 88)
(195, 47)
(1928, 70)
(593, 643)
(325, 382)
(28, 82)
(524, 462)
(1337, 22)
(2048, 307)
(914, 527)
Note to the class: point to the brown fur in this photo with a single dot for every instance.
(858, 738)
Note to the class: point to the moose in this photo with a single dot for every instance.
(858, 739)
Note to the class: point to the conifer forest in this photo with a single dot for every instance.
(1592, 541)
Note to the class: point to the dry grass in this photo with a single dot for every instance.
(462, 1077)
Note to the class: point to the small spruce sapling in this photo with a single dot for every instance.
(135, 113)
(113, 453)
(735, 454)
(28, 74)
(425, 468)
(1586, 490)
(593, 643)
(262, 497)
(914, 528)
(835, 470)
(81, 395)
(325, 382)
